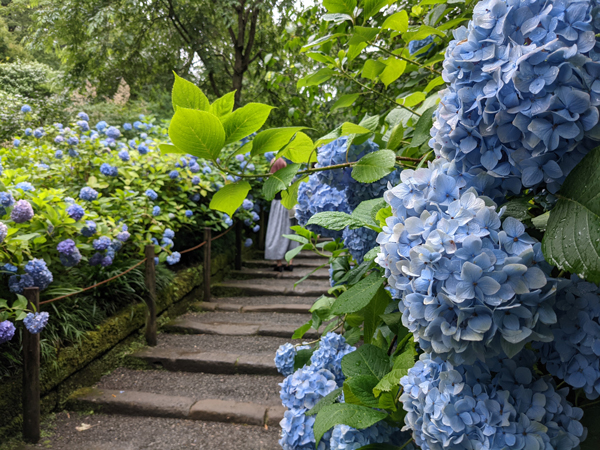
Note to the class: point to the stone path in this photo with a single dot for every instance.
(211, 382)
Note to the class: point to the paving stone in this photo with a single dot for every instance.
(221, 344)
(284, 331)
(262, 287)
(134, 403)
(282, 308)
(190, 325)
(220, 317)
(267, 272)
(265, 300)
(228, 411)
(275, 415)
(313, 263)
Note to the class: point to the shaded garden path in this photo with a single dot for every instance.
(211, 382)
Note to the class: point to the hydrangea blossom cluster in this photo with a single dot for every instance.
(495, 405)
(88, 193)
(7, 331)
(22, 212)
(344, 437)
(89, 229)
(75, 212)
(285, 356)
(108, 170)
(574, 354)
(36, 322)
(36, 274)
(174, 258)
(470, 284)
(3, 232)
(68, 253)
(359, 241)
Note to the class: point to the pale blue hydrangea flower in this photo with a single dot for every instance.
(89, 229)
(25, 109)
(3, 232)
(7, 331)
(87, 193)
(248, 242)
(36, 322)
(25, 186)
(173, 258)
(156, 211)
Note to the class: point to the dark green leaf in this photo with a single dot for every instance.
(402, 363)
(334, 220)
(359, 390)
(366, 360)
(374, 166)
(279, 181)
(303, 357)
(423, 128)
(373, 311)
(518, 208)
(358, 296)
(355, 416)
(591, 419)
(372, 254)
(329, 399)
(354, 276)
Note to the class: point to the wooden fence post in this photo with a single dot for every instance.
(238, 245)
(207, 263)
(31, 374)
(151, 327)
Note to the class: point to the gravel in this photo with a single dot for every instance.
(259, 389)
(257, 318)
(226, 344)
(270, 300)
(117, 432)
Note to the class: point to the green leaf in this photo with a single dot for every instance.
(303, 357)
(373, 311)
(372, 254)
(363, 34)
(337, 18)
(321, 57)
(273, 140)
(364, 211)
(402, 363)
(344, 101)
(290, 197)
(333, 220)
(165, 149)
(279, 181)
(395, 67)
(355, 416)
(329, 399)
(321, 40)
(372, 69)
(245, 121)
(366, 360)
(518, 208)
(230, 197)
(340, 6)
(421, 33)
(374, 166)
(541, 222)
(412, 99)
(372, 7)
(437, 81)
(197, 132)
(397, 22)
(423, 128)
(396, 137)
(300, 149)
(291, 254)
(351, 128)
(358, 296)
(572, 239)
(359, 390)
(301, 331)
(314, 79)
(187, 95)
(224, 105)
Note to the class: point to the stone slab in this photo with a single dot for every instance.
(278, 308)
(257, 364)
(273, 288)
(313, 263)
(275, 415)
(285, 331)
(185, 325)
(216, 410)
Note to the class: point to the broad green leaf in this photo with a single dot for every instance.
(301, 331)
(187, 95)
(397, 22)
(224, 105)
(230, 197)
(314, 79)
(300, 149)
(437, 81)
(364, 211)
(373, 311)
(198, 133)
(289, 197)
(431, 2)
(340, 6)
(273, 139)
(291, 254)
(303, 357)
(245, 121)
(518, 208)
(359, 390)
(355, 416)
(395, 67)
(451, 24)
(541, 222)
(402, 363)
(320, 57)
(350, 128)
(337, 18)
(344, 101)
(363, 34)
(321, 40)
(374, 166)
(396, 137)
(355, 50)
(372, 69)
(279, 181)
(165, 149)
(372, 7)
(393, 321)
(358, 296)
(572, 238)
(383, 214)
(421, 33)
(354, 275)
(412, 99)
(366, 360)
(422, 128)
(372, 254)
(329, 399)
(333, 220)
(370, 123)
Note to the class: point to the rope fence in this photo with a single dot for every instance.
(31, 342)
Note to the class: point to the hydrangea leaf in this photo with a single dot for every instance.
(314, 79)
(303, 357)
(373, 311)
(372, 69)
(355, 416)
(350, 128)
(273, 140)
(300, 149)
(340, 6)
(279, 181)
(344, 101)
(224, 105)
(329, 399)
(359, 390)
(363, 34)
(166, 149)
(422, 133)
(366, 360)
(333, 220)
(395, 68)
(245, 121)
(372, 7)
(402, 363)
(289, 197)
(187, 95)
(397, 22)
(358, 296)
(197, 132)
(364, 211)
(372, 254)
(374, 166)
(230, 197)
(301, 331)
(572, 239)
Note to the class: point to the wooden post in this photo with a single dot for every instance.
(207, 265)
(151, 327)
(238, 245)
(31, 374)
(262, 232)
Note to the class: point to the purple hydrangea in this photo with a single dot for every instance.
(75, 212)
(22, 212)
(38, 271)
(89, 229)
(7, 331)
(123, 236)
(102, 243)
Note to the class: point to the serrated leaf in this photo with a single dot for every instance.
(395, 67)
(230, 197)
(397, 22)
(358, 296)
(224, 105)
(245, 121)
(366, 360)
(402, 363)
(518, 208)
(329, 399)
(344, 101)
(186, 94)
(355, 416)
(423, 128)
(364, 211)
(279, 181)
(359, 390)
(273, 139)
(333, 220)
(374, 166)
(198, 133)
(572, 238)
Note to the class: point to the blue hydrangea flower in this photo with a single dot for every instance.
(3, 232)
(89, 229)
(123, 236)
(102, 243)
(75, 212)
(108, 170)
(25, 109)
(256, 228)
(73, 140)
(195, 180)
(344, 437)
(83, 125)
(101, 126)
(247, 204)
(88, 193)
(6, 199)
(332, 348)
(58, 154)
(124, 155)
(227, 220)
(248, 242)
(7, 331)
(28, 131)
(297, 432)
(142, 149)
(96, 259)
(269, 156)
(38, 271)
(68, 253)
(173, 258)
(59, 139)
(168, 233)
(16, 142)
(73, 153)
(189, 213)
(359, 241)
(106, 261)
(83, 116)
(240, 157)
(22, 212)
(156, 211)
(25, 186)
(167, 242)
(38, 133)
(127, 126)
(138, 125)
(415, 46)
(151, 194)
(173, 174)
(35, 322)
(305, 387)
(113, 133)
(285, 356)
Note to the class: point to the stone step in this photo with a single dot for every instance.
(258, 287)
(304, 254)
(135, 403)
(306, 263)
(298, 273)
(270, 300)
(177, 360)
(282, 308)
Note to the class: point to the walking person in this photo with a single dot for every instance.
(276, 246)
